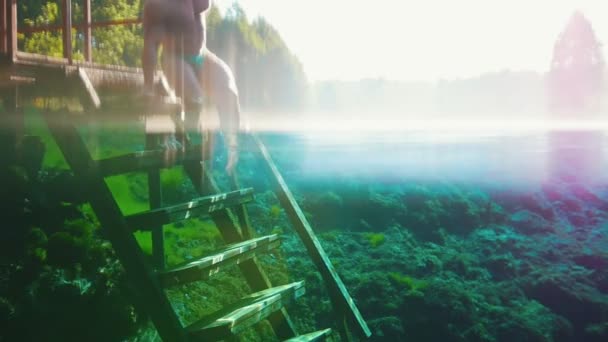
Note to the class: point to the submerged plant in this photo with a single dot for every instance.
(375, 239)
(275, 211)
(411, 283)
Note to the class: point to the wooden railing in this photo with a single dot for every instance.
(9, 29)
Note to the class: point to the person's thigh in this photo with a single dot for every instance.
(216, 77)
(220, 87)
(182, 77)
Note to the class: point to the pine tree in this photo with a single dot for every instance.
(576, 75)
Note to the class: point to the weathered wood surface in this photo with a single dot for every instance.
(195, 208)
(145, 160)
(58, 76)
(230, 230)
(209, 265)
(246, 312)
(152, 297)
(90, 94)
(241, 211)
(339, 296)
(66, 34)
(320, 335)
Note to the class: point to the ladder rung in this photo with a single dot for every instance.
(320, 335)
(211, 264)
(184, 211)
(145, 160)
(246, 312)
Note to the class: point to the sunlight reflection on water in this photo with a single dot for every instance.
(506, 156)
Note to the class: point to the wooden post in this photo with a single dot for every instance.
(241, 211)
(3, 10)
(11, 29)
(155, 199)
(88, 51)
(152, 297)
(67, 29)
(8, 130)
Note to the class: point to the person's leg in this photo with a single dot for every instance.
(220, 86)
(183, 79)
(154, 31)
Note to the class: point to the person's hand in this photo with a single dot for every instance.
(233, 158)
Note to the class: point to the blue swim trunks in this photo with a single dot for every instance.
(195, 60)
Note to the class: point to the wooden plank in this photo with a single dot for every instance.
(246, 312)
(145, 160)
(209, 265)
(195, 208)
(152, 298)
(97, 24)
(66, 15)
(88, 48)
(28, 58)
(320, 335)
(341, 299)
(228, 225)
(54, 74)
(89, 89)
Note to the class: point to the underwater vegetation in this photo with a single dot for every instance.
(58, 273)
(55, 264)
(438, 261)
(375, 239)
(457, 262)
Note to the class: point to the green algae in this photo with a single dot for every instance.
(375, 239)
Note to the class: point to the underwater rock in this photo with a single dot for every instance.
(553, 192)
(578, 302)
(386, 329)
(583, 194)
(502, 267)
(31, 151)
(596, 332)
(530, 223)
(7, 310)
(592, 261)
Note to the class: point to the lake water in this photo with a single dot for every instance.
(424, 250)
(483, 158)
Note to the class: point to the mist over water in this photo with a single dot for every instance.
(491, 153)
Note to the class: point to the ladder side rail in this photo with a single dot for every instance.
(241, 210)
(229, 228)
(339, 296)
(153, 300)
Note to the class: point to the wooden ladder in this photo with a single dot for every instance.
(268, 302)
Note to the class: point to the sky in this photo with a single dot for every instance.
(423, 40)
